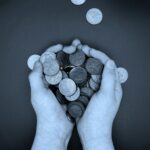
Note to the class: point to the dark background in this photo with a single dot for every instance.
(30, 26)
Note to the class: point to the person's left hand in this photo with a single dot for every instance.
(53, 127)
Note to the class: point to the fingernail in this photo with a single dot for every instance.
(110, 64)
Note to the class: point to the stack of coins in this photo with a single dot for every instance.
(73, 73)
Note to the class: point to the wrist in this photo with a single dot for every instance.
(47, 138)
(99, 139)
(99, 143)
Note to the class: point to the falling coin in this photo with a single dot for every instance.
(94, 16)
(78, 2)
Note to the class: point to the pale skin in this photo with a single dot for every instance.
(95, 127)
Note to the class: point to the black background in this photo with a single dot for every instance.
(30, 26)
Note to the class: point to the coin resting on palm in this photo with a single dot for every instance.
(72, 72)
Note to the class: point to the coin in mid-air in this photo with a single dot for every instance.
(94, 16)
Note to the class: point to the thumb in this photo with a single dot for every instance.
(109, 77)
(36, 77)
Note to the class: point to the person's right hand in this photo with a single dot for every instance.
(96, 124)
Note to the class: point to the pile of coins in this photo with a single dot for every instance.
(72, 75)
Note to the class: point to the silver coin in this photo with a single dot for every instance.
(55, 48)
(94, 86)
(87, 92)
(78, 2)
(53, 80)
(63, 59)
(94, 66)
(51, 67)
(47, 55)
(69, 49)
(84, 100)
(123, 74)
(75, 96)
(67, 87)
(96, 78)
(61, 99)
(94, 16)
(31, 60)
(64, 74)
(76, 109)
(77, 58)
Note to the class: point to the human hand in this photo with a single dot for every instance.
(95, 126)
(53, 128)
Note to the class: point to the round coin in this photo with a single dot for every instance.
(94, 66)
(78, 75)
(77, 58)
(63, 59)
(94, 86)
(76, 109)
(78, 2)
(84, 100)
(75, 96)
(53, 80)
(86, 91)
(61, 99)
(47, 55)
(51, 67)
(96, 78)
(94, 16)
(67, 87)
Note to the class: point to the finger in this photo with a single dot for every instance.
(109, 77)
(99, 55)
(36, 77)
(118, 89)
